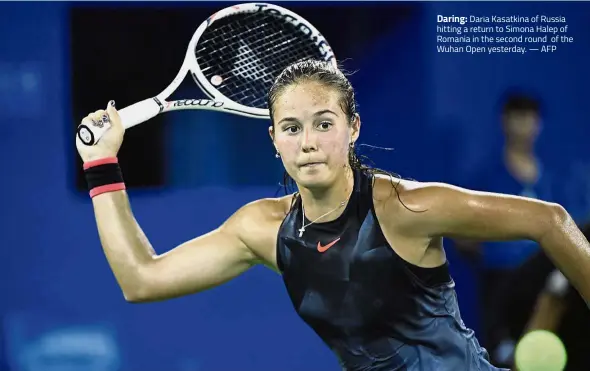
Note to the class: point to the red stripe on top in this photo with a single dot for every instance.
(102, 161)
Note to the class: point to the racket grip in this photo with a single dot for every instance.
(139, 112)
(130, 116)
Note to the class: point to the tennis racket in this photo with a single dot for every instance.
(234, 58)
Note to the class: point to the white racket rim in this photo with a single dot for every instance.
(217, 99)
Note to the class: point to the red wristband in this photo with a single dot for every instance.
(103, 175)
(102, 161)
(107, 188)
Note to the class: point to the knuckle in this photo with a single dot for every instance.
(96, 115)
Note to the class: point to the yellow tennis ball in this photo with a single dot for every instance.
(540, 350)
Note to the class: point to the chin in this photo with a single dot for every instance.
(320, 178)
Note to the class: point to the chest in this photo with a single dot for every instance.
(344, 254)
(345, 279)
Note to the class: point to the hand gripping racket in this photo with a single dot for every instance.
(234, 58)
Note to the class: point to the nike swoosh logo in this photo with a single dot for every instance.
(325, 248)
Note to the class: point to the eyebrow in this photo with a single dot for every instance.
(318, 113)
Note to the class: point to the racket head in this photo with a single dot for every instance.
(238, 52)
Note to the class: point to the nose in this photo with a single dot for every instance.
(308, 141)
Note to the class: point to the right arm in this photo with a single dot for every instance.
(194, 266)
(202, 263)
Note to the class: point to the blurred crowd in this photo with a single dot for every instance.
(519, 288)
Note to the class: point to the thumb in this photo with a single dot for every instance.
(114, 115)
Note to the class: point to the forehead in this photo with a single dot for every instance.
(306, 98)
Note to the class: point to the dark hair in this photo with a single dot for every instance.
(519, 102)
(331, 76)
(313, 70)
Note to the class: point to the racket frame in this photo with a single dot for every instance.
(89, 132)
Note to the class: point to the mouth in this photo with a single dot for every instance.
(311, 164)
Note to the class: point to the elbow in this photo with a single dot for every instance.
(557, 219)
(138, 296)
(138, 292)
(136, 285)
(134, 298)
(559, 216)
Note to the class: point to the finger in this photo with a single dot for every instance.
(89, 121)
(114, 115)
(97, 114)
(99, 119)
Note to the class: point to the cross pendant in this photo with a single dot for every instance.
(301, 230)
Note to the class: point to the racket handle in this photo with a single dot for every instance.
(139, 112)
(130, 116)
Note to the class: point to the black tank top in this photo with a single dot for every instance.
(372, 308)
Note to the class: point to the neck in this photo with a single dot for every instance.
(317, 202)
(519, 148)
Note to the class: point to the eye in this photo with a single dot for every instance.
(293, 129)
(325, 125)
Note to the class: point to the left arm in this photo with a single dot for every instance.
(444, 210)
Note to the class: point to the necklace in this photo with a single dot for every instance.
(303, 225)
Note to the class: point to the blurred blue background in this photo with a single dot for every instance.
(188, 171)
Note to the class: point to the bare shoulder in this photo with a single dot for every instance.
(257, 224)
(399, 202)
(265, 210)
(410, 195)
(393, 193)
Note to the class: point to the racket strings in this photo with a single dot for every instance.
(249, 66)
(248, 51)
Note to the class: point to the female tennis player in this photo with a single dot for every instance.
(360, 251)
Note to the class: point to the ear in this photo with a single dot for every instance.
(271, 132)
(355, 128)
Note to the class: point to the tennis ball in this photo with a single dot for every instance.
(540, 350)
